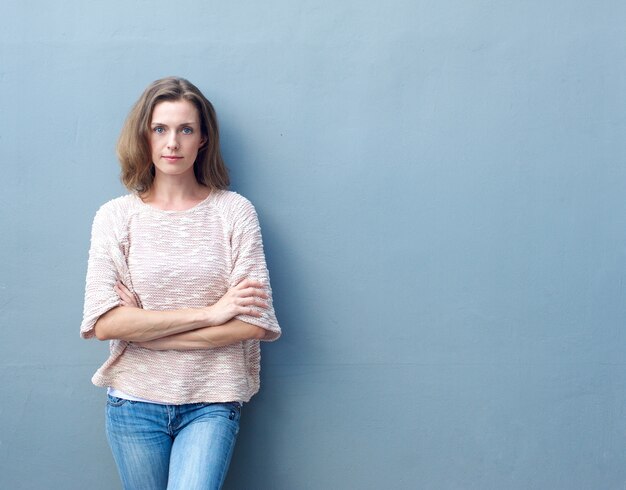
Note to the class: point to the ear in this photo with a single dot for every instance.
(204, 141)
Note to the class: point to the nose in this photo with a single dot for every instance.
(172, 142)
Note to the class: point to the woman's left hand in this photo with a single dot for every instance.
(126, 297)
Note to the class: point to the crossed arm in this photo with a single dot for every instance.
(190, 328)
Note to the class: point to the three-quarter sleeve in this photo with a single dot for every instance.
(249, 263)
(105, 258)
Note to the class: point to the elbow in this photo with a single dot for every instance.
(105, 327)
(102, 328)
(100, 332)
(258, 333)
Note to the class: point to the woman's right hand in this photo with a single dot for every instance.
(126, 297)
(243, 299)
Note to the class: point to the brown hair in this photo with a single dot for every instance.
(133, 147)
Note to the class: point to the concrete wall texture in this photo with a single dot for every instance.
(441, 186)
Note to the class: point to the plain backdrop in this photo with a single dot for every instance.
(441, 188)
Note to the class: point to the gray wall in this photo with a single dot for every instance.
(441, 188)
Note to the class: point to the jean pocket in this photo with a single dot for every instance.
(234, 411)
(114, 401)
(235, 405)
(228, 410)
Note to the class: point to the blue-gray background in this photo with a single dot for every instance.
(441, 186)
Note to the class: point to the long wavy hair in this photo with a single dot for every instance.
(133, 146)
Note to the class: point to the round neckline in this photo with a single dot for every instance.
(175, 211)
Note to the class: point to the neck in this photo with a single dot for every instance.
(175, 192)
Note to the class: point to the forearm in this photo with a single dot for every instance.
(138, 325)
(128, 322)
(229, 333)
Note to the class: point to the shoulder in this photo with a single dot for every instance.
(236, 210)
(118, 207)
(113, 215)
(233, 204)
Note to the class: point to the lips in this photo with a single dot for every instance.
(171, 158)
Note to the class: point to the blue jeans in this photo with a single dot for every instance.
(173, 447)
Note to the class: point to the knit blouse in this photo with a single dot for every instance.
(172, 260)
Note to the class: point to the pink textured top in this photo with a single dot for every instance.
(172, 260)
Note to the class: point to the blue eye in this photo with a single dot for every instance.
(159, 129)
(187, 131)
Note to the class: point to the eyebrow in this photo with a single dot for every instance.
(182, 124)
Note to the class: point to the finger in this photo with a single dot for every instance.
(247, 283)
(253, 302)
(123, 287)
(127, 295)
(260, 293)
(253, 312)
(256, 309)
(123, 294)
(124, 290)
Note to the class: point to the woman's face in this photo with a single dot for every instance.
(175, 137)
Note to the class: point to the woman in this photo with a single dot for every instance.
(177, 282)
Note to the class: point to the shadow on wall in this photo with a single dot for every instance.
(263, 436)
(263, 433)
